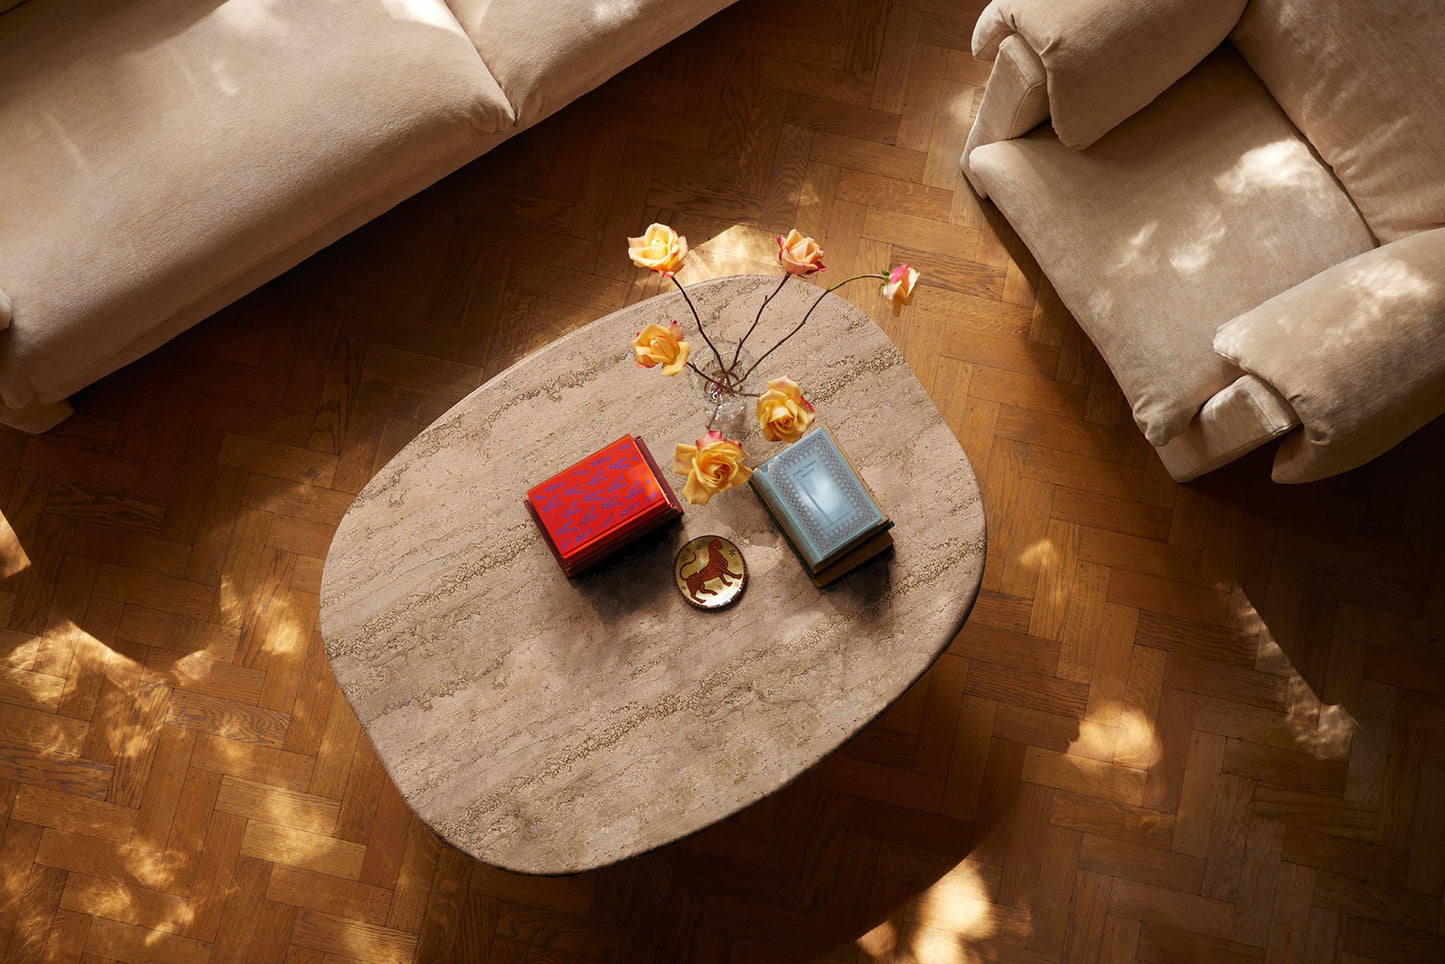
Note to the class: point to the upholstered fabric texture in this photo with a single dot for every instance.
(1358, 350)
(1106, 59)
(156, 145)
(1365, 81)
(1239, 419)
(546, 55)
(1015, 101)
(4, 310)
(1200, 207)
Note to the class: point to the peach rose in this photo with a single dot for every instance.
(713, 465)
(660, 248)
(656, 345)
(799, 255)
(899, 289)
(783, 413)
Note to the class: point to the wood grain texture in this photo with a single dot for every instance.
(1201, 722)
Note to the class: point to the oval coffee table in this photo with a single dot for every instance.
(551, 726)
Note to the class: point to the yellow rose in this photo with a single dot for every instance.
(799, 255)
(783, 413)
(660, 248)
(656, 345)
(899, 289)
(713, 465)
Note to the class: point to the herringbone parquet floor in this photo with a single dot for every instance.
(1201, 722)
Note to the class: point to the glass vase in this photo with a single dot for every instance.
(727, 398)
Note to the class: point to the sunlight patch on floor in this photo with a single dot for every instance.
(957, 910)
(13, 558)
(737, 250)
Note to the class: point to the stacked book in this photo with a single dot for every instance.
(822, 506)
(601, 503)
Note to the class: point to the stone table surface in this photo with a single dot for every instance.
(547, 725)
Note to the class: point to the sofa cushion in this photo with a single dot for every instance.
(1363, 80)
(1198, 208)
(157, 150)
(545, 55)
(1106, 58)
(1358, 350)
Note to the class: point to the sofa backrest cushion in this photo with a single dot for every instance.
(545, 55)
(7, 4)
(1364, 80)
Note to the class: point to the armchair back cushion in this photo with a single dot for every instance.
(1107, 59)
(1357, 350)
(1364, 81)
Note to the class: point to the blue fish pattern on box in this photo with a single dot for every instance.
(598, 495)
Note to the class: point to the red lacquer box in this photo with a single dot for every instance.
(597, 506)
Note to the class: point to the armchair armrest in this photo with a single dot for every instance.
(1014, 102)
(1106, 59)
(1358, 351)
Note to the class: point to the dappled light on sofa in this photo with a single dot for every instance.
(423, 13)
(615, 13)
(1282, 164)
(1380, 287)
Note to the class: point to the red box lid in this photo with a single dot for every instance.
(601, 503)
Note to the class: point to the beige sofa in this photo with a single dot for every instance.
(1242, 204)
(163, 157)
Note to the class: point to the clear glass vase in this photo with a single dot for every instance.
(728, 399)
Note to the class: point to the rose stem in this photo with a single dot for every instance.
(737, 354)
(815, 304)
(697, 318)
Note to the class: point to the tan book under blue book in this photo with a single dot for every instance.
(823, 506)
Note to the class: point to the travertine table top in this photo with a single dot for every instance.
(553, 726)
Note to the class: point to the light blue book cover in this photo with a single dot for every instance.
(816, 495)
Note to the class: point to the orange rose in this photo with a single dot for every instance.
(656, 345)
(799, 255)
(783, 413)
(660, 248)
(713, 465)
(899, 289)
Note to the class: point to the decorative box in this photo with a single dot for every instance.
(597, 506)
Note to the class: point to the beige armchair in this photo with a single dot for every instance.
(1243, 205)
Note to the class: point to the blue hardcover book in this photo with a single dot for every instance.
(822, 504)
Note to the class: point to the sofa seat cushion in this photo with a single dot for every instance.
(546, 55)
(1358, 351)
(1365, 81)
(1198, 208)
(156, 150)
